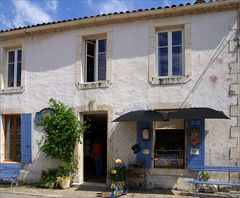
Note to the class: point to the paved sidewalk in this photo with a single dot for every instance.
(85, 190)
(92, 190)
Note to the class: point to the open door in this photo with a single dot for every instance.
(95, 148)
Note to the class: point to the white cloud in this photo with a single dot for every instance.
(5, 22)
(28, 13)
(110, 6)
(52, 5)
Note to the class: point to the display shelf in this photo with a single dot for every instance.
(169, 158)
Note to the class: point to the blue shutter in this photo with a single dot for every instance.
(195, 153)
(26, 138)
(144, 144)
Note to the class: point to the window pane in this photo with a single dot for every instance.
(169, 148)
(162, 39)
(19, 55)
(9, 137)
(102, 45)
(177, 60)
(11, 75)
(19, 68)
(102, 66)
(90, 48)
(18, 139)
(90, 69)
(11, 56)
(177, 38)
(163, 61)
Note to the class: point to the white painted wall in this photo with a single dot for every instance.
(50, 72)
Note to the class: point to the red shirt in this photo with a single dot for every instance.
(96, 150)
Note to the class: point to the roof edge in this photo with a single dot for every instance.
(199, 8)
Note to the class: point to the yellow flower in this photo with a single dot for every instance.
(118, 161)
(113, 171)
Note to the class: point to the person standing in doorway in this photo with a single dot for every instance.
(97, 156)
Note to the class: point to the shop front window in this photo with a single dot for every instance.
(169, 148)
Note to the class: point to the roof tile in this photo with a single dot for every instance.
(115, 13)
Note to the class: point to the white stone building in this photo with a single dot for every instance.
(105, 66)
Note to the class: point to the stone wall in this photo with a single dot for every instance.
(213, 81)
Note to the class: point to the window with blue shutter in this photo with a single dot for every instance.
(26, 138)
(195, 143)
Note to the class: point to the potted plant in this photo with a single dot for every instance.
(63, 132)
(118, 176)
(65, 176)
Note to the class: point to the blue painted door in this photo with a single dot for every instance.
(26, 138)
(145, 145)
(195, 143)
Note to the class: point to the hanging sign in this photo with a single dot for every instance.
(40, 114)
(194, 137)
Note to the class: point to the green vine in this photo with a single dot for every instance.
(63, 133)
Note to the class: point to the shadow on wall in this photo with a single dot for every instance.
(125, 136)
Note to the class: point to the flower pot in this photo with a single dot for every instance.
(64, 183)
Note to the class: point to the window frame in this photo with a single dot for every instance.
(170, 65)
(168, 150)
(6, 47)
(96, 56)
(15, 50)
(6, 118)
(155, 128)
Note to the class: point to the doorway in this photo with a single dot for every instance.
(93, 139)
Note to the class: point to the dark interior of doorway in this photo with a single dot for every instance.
(97, 131)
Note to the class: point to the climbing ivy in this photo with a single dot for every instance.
(63, 131)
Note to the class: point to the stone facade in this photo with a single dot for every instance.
(52, 67)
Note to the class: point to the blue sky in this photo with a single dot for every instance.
(18, 13)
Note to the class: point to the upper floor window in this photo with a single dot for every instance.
(14, 68)
(170, 52)
(95, 60)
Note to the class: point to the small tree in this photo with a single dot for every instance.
(63, 133)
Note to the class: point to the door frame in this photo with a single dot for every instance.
(79, 178)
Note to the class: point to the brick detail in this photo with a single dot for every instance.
(234, 131)
(234, 110)
(234, 68)
(234, 89)
(234, 153)
(233, 45)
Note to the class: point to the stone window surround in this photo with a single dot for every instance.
(3, 63)
(6, 111)
(80, 58)
(169, 25)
